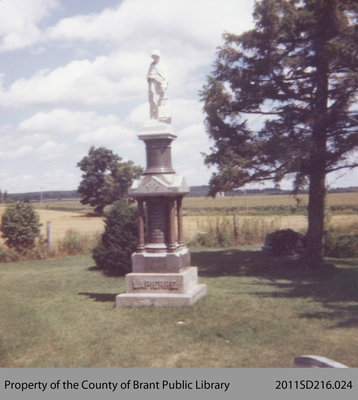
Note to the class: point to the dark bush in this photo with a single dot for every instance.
(20, 227)
(341, 245)
(119, 240)
(8, 255)
(285, 242)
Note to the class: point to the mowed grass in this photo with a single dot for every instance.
(259, 312)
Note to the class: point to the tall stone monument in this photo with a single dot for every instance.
(161, 271)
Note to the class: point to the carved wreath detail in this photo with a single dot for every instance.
(153, 186)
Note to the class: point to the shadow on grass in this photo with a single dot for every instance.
(347, 315)
(94, 268)
(323, 282)
(108, 273)
(102, 297)
(237, 262)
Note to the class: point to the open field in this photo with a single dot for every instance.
(264, 214)
(265, 204)
(259, 312)
(64, 205)
(261, 225)
(62, 221)
(252, 204)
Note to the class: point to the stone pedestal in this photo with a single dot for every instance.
(162, 274)
(162, 289)
(158, 262)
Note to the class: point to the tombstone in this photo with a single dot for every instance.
(162, 274)
(312, 361)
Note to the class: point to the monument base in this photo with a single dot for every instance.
(161, 299)
(147, 262)
(162, 289)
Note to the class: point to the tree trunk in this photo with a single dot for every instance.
(318, 156)
(316, 203)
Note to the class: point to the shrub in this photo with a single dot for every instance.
(284, 242)
(221, 233)
(20, 226)
(73, 243)
(8, 255)
(215, 234)
(341, 245)
(119, 240)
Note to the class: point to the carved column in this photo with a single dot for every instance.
(157, 223)
(171, 225)
(180, 221)
(141, 240)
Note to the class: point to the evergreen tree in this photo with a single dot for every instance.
(280, 101)
(119, 240)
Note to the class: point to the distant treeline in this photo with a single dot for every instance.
(195, 191)
(44, 196)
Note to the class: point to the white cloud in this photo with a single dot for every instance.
(138, 115)
(19, 22)
(186, 112)
(6, 129)
(58, 179)
(12, 154)
(186, 35)
(64, 121)
(342, 178)
(109, 135)
(80, 128)
(50, 150)
(101, 97)
(198, 23)
(85, 127)
(18, 183)
(15, 146)
(106, 80)
(191, 142)
(187, 32)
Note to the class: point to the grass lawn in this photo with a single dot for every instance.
(259, 312)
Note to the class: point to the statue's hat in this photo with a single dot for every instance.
(156, 52)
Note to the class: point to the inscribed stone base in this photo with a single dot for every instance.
(162, 289)
(161, 299)
(180, 282)
(161, 262)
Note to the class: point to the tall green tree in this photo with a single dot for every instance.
(106, 178)
(280, 101)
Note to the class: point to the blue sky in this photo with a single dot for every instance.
(73, 74)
